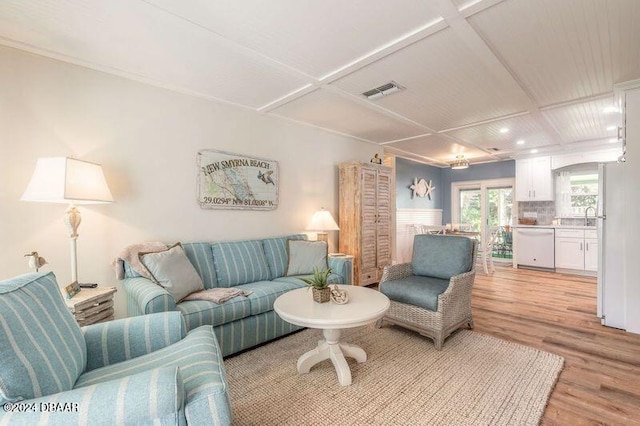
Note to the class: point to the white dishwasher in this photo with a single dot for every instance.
(535, 247)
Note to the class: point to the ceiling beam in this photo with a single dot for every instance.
(498, 66)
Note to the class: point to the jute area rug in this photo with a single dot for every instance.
(474, 380)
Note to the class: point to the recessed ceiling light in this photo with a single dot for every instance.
(504, 130)
(534, 151)
(520, 142)
(613, 140)
(610, 109)
(612, 127)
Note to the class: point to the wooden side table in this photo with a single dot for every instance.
(92, 305)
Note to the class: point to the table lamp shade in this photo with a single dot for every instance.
(69, 181)
(322, 221)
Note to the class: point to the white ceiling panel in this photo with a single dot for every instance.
(328, 110)
(447, 84)
(437, 147)
(585, 121)
(544, 69)
(316, 37)
(134, 38)
(505, 134)
(565, 49)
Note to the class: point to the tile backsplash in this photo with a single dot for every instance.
(545, 210)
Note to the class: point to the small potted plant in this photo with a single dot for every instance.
(319, 285)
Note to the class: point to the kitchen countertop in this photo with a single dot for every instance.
(555, 226)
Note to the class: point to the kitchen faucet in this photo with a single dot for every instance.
(586, 212)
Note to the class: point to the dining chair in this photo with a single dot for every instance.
(433, 229)
(485, 251)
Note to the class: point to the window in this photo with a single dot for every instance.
(576, 191)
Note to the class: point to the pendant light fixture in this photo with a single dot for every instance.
(460, 163)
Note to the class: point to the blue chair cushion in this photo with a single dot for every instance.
(240, 262)
(42, 350)
(441, 256)
(416, 290)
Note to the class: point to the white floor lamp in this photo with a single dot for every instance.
(69, 181)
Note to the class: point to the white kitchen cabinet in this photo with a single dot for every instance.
(577, 249)
(534, 179)
(570, 253)
(591, 254)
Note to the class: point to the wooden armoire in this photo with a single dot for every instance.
(365, 219)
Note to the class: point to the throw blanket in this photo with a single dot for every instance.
(217, 295)
(130, 255)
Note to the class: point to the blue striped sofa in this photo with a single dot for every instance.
(242, 322)
(135, 371)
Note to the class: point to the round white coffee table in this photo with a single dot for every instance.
(365, 306)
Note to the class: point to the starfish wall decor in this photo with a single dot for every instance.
(421, 188)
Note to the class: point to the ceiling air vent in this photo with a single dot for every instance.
(494, 149)
(384, 90)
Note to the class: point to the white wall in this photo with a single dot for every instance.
(146, 138)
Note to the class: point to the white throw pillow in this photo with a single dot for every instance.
(172, 270)
(305, 256)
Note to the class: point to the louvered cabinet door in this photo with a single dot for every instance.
(368, 226)
(365, 219)
(383, 221)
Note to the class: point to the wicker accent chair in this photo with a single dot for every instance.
(432, 293)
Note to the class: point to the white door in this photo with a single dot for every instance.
(613, 228)
(483, 204)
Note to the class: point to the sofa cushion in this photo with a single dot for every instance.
(305, 257)
(264, 293)
(203, 312)
(42, 350)
(331, 279)
(275, 250)
(201, 258)
(416, 290)
(239, 262)
(172, 270)
(200, 361)
(441, 256)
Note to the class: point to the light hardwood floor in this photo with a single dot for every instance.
(600, 382)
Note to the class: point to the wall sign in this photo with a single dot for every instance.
(235, 181)
(421, 188)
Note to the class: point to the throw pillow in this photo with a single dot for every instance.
(172, 270)
(305, 256)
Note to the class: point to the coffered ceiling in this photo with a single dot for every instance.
(490, 79)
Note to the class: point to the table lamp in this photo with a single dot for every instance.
(69, 181)
(322, 221)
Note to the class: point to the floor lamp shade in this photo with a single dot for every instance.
(322, 221)
(69, 181)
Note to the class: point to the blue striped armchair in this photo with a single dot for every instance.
(143, 370)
